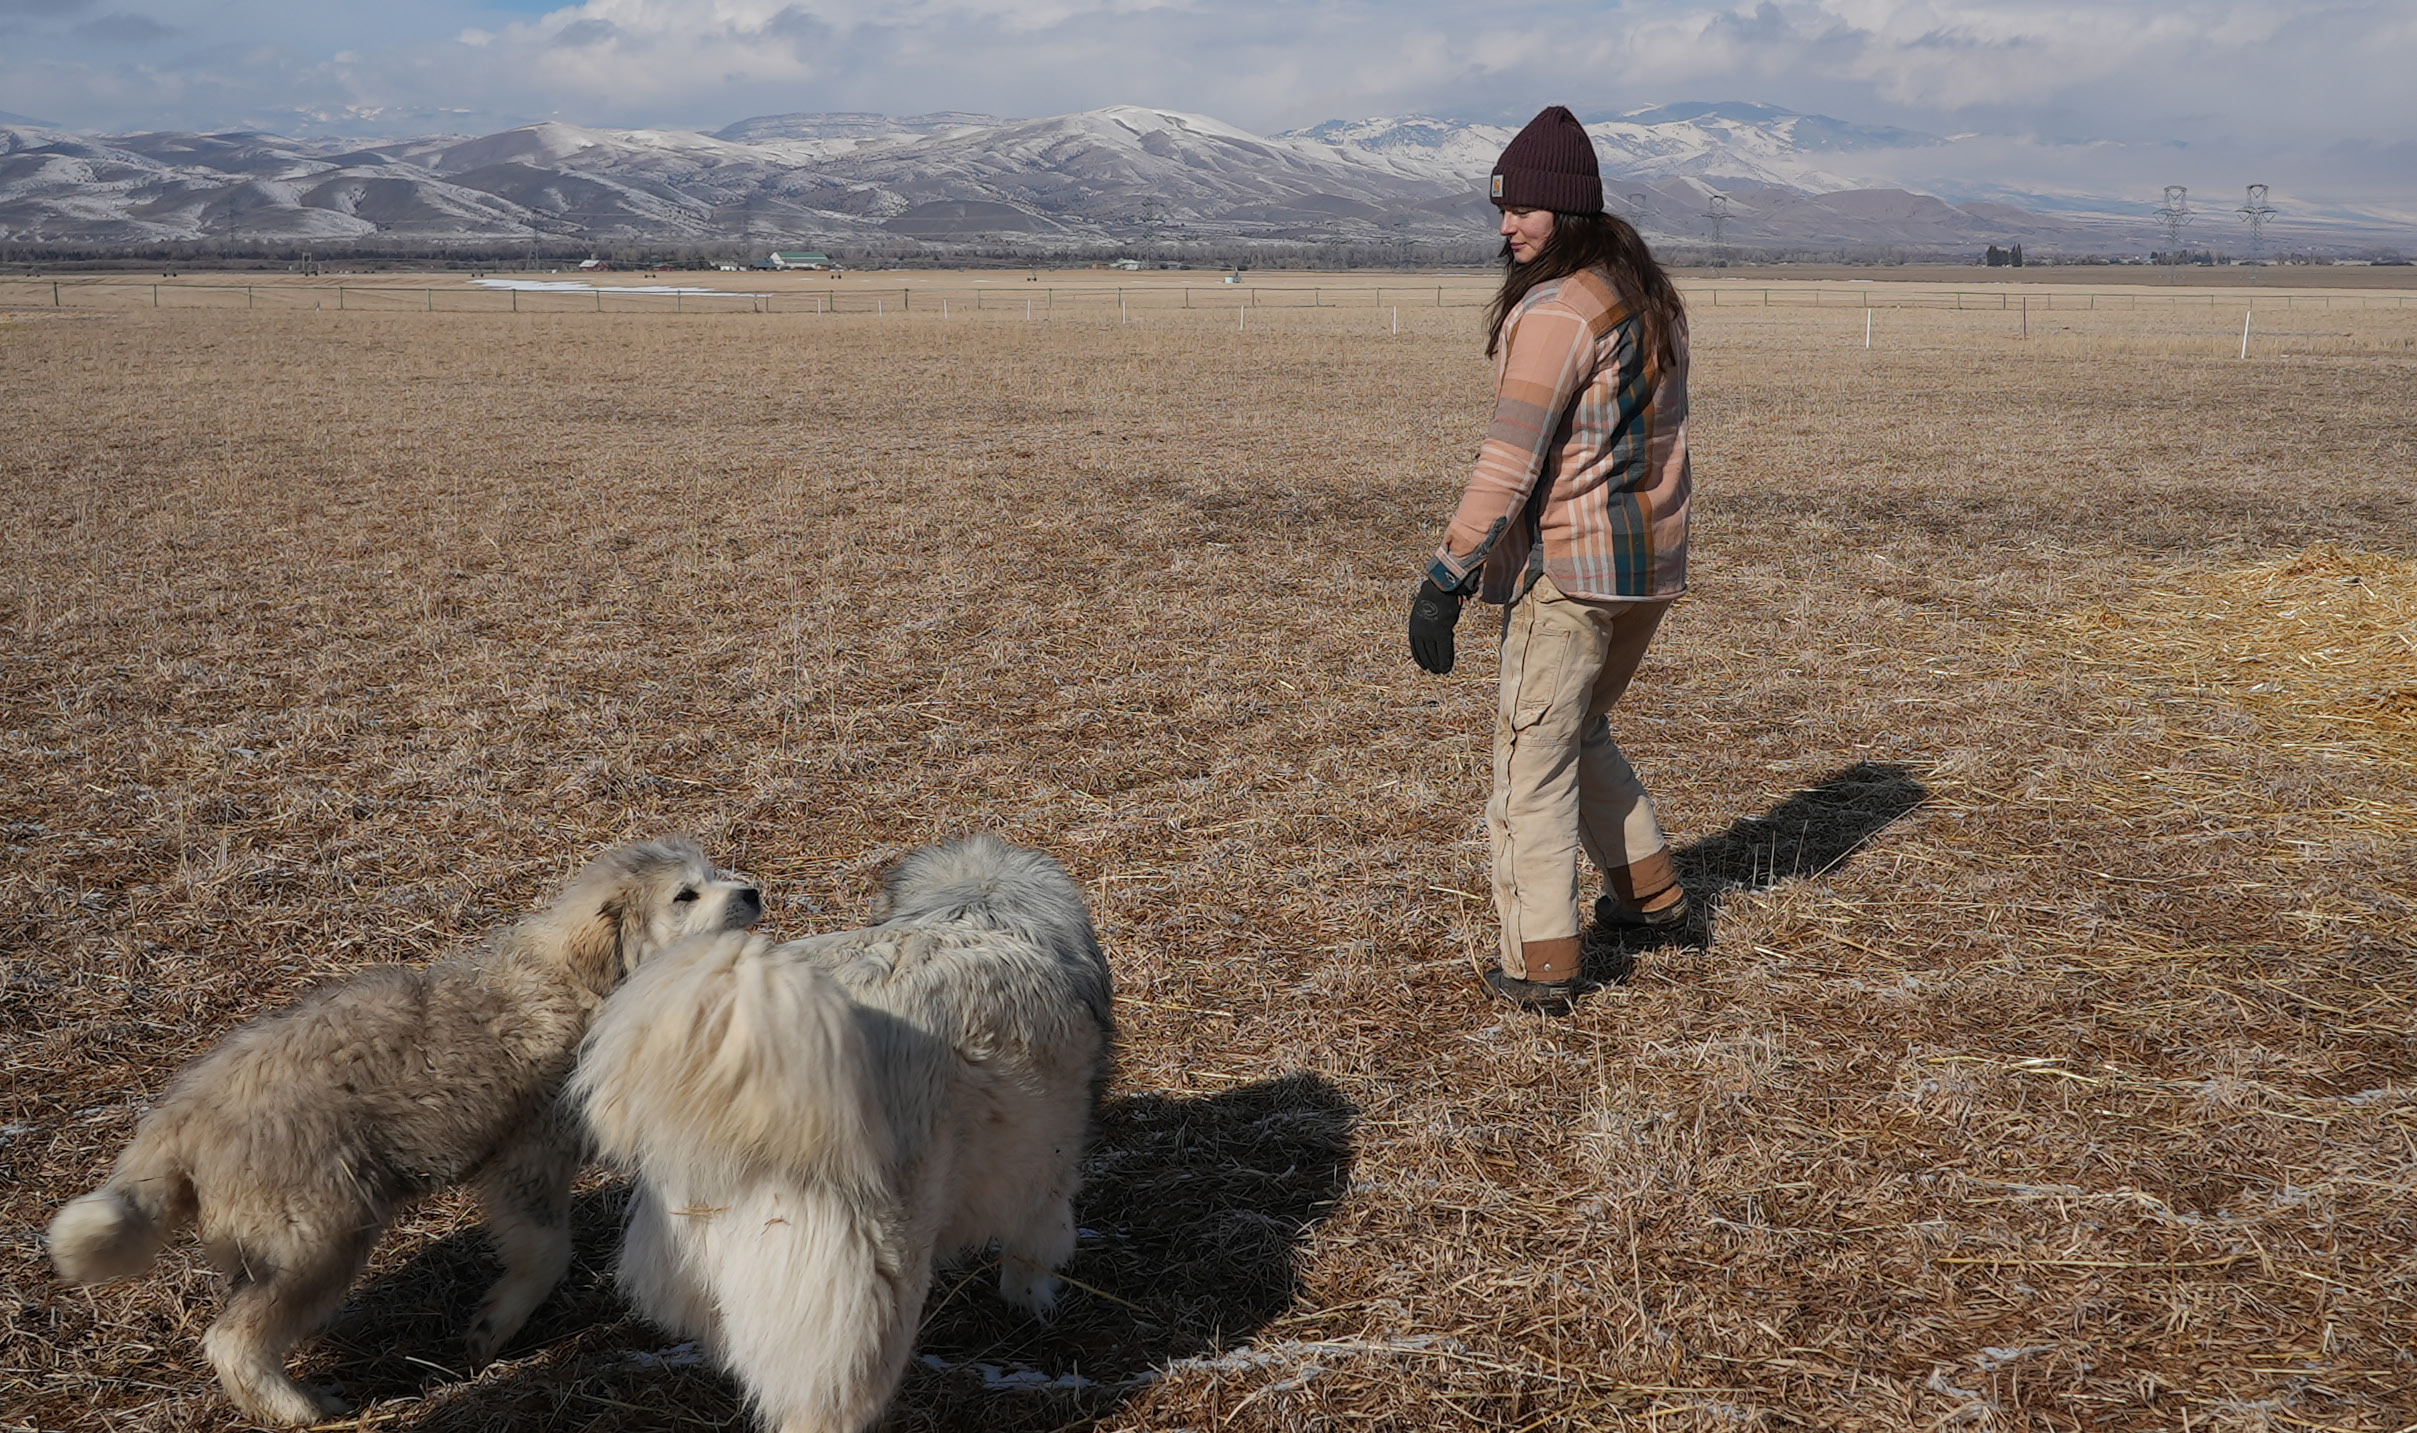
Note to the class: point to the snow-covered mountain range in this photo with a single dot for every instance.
(1126, 173)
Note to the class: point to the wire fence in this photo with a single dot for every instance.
(1037, 300)
(2038, 300)
(542, 297)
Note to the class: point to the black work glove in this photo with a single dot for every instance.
(1432, 615)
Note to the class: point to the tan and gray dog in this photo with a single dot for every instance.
(294, 1143)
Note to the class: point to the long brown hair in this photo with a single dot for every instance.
(1585, 241)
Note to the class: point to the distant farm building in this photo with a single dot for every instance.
(797, 259)
(593, 266)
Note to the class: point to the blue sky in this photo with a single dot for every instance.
(2317, 91)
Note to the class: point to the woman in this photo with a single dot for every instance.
(1576, 521)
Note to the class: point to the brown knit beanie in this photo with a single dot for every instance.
(1550, 165)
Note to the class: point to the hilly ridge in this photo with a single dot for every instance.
(1120, 175)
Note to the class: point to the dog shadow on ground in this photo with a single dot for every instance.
(1812, 832)
(1194, 1212)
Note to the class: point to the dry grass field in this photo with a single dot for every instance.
(2040, 740)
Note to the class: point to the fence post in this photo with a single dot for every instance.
(155, 296)
(431, 293)
(54, 293)
(515, 300)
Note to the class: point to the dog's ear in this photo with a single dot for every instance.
(592, 946)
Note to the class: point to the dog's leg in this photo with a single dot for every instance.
(1030, 1255)
(273, 1306)
(526, 1195)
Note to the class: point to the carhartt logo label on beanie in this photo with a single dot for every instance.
(1550, 165)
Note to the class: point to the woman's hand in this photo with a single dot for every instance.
(1433, 613)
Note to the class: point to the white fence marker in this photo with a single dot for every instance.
(1027, 308)
(1867, 328)
(1397, 319)
(2245, 332)
(1238, 318)
(943, 308)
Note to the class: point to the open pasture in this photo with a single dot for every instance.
(2037, 737)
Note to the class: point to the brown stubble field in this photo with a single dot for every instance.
(2037, 738)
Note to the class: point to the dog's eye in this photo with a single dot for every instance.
(686, 895)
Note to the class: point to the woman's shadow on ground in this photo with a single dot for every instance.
(1194, 1211)
(1809, 834)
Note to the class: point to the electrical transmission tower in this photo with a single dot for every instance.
(2175, 215)
(1716, 213)
(2255, 213)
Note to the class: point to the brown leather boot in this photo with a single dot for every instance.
(1550, 986)
(1643, 893)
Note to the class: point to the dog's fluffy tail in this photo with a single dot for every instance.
(724, 1058)
(984, 881)
(733, 1076)
(118, 1229)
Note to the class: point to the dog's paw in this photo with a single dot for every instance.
(287, 1404)
(1030, 1288)
(484, 1340)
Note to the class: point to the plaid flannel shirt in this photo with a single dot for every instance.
(1584, 473)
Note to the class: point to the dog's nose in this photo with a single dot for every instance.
(750, 896)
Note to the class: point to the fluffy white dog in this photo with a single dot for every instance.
(813, 1124)
(294, 1143)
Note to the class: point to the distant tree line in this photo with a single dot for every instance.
(1997, 258)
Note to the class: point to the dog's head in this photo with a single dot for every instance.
(636, 899)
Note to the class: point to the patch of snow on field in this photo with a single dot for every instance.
(582, 286)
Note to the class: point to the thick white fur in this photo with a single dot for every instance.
(294, 1143)
(813, 1124)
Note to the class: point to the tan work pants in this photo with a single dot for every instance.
(1561, 785)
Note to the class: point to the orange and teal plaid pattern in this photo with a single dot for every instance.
(1584, 472)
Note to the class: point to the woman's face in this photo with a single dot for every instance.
(1526, 231)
